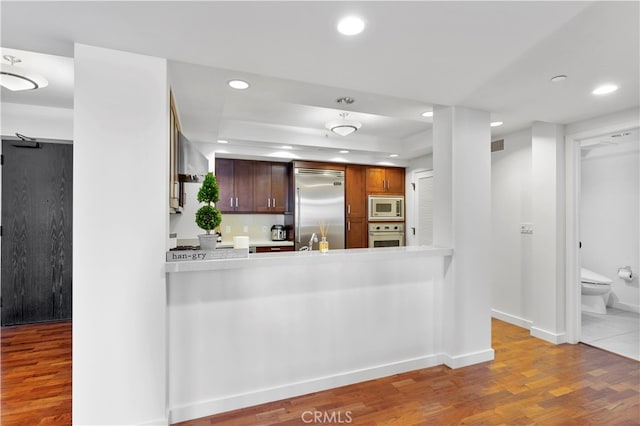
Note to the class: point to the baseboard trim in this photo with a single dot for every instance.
(626, 307)
(555, 338)
(157, 422)
(512, 319)
(261, 396)
(464, 360)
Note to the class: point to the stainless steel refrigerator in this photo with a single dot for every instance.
(319, 199)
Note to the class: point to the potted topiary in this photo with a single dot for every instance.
(208, 217)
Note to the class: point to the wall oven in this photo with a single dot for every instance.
(386, 235)
(386, 208)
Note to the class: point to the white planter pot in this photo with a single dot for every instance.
(208, 241)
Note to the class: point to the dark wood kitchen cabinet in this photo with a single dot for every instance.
(235, 180)
(270, 187)
(385, 180)
(355, 206)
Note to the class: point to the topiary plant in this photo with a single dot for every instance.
(208, 217)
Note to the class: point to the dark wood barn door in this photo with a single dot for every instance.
(36, 232)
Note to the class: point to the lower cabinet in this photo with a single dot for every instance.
(273, 249)
(356, 232)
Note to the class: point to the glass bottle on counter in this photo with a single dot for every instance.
(323, 245)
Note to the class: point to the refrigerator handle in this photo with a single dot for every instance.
(297, 217)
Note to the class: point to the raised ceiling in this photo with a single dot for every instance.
(494, 56)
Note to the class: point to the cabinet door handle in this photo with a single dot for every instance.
(274, 205)
(348, 208)
(269, 202)
(275, 248)
(236, 201)
(348, 225)
(231, 202)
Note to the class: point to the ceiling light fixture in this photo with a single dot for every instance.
(17, 78)
(496, 123)
(286, 147)
(427, 114)
(239, 84)
(558, 78)
(344, 151)
(605, 89)
(393, 155)
(222, 141)
(351, 25)
(343, 127)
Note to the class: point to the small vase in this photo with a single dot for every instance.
(208, 241)
(323, 245)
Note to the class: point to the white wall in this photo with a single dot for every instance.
(120, 234)
(37, 121)
(511, 250)
(610, 216)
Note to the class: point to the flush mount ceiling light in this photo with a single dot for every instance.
(351, 25)
(343, 127)
(427, 114)
(17, 78)
(239, 84)
(496, 123)
(605, 89)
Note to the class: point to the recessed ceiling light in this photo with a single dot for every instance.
(604, 89)
(222, 141)
(558, 78)
(286, 147)
(427, 114)
(351, 25)
(496, 123)
(238, 84)
(393, 155)
(344, 151)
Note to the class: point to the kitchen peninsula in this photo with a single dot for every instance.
(271, 326)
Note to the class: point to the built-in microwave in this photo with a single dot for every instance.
(382, 207)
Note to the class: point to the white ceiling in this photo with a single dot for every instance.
(494, 56)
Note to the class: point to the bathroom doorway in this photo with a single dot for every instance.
(607, 201)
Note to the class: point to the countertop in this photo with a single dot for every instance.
(315, 257)
(229, 243)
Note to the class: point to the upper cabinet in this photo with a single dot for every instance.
(385, 180)
(270, 187)
(235, 180)
(252, 186)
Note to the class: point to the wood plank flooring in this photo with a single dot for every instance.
(36, 374)
(530, 382)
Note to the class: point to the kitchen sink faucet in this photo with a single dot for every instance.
(313, 239)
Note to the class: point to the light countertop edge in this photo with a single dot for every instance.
(312, 257)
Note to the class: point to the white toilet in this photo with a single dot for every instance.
(595, 291)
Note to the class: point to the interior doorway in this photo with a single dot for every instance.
(423, 207)
(37, 200)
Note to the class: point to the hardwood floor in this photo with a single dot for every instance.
(530, 382)
(36, 374)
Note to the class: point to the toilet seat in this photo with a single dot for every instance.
(590, 277)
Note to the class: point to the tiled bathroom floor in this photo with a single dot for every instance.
(618, 331)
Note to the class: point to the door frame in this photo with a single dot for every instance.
(573, 310)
